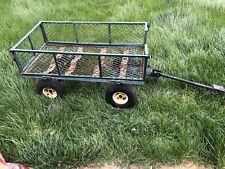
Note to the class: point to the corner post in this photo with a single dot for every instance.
(15, 58)
(56, 63)
(110, 33)
(43, 33)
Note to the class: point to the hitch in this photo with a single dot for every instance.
(214, 87)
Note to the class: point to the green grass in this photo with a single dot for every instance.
(173, 121)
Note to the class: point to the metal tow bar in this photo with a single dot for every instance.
(214, 87)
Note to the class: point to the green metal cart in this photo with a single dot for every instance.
(114, 52)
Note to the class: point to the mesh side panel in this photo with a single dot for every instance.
(64, 63)
(45, 64)
(95, 33)
(112, 66)
(115, 67)
(92, 33)
(127, 33)
(37, 39)
(85, 66)
(24, 58)
(77, 32)
(42, 64)
(135, 68)
(25, 45)
(60, 32)
(88, 66)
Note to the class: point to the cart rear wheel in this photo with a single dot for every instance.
(50, 88)
(120, 95)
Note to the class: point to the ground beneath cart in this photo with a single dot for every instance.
(184, 165)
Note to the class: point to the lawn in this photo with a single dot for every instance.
(172, 122)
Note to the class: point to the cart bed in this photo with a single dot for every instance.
(48, 51)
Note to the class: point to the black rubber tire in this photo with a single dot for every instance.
(51, 83)
(127, 89)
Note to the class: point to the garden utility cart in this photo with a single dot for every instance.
(114, 52)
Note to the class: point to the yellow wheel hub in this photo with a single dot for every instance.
(49, 92)
(120, 98)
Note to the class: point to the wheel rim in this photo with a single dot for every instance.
(120, 98)
(49, 92)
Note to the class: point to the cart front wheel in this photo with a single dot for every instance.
(120, 95)
(50, 88)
